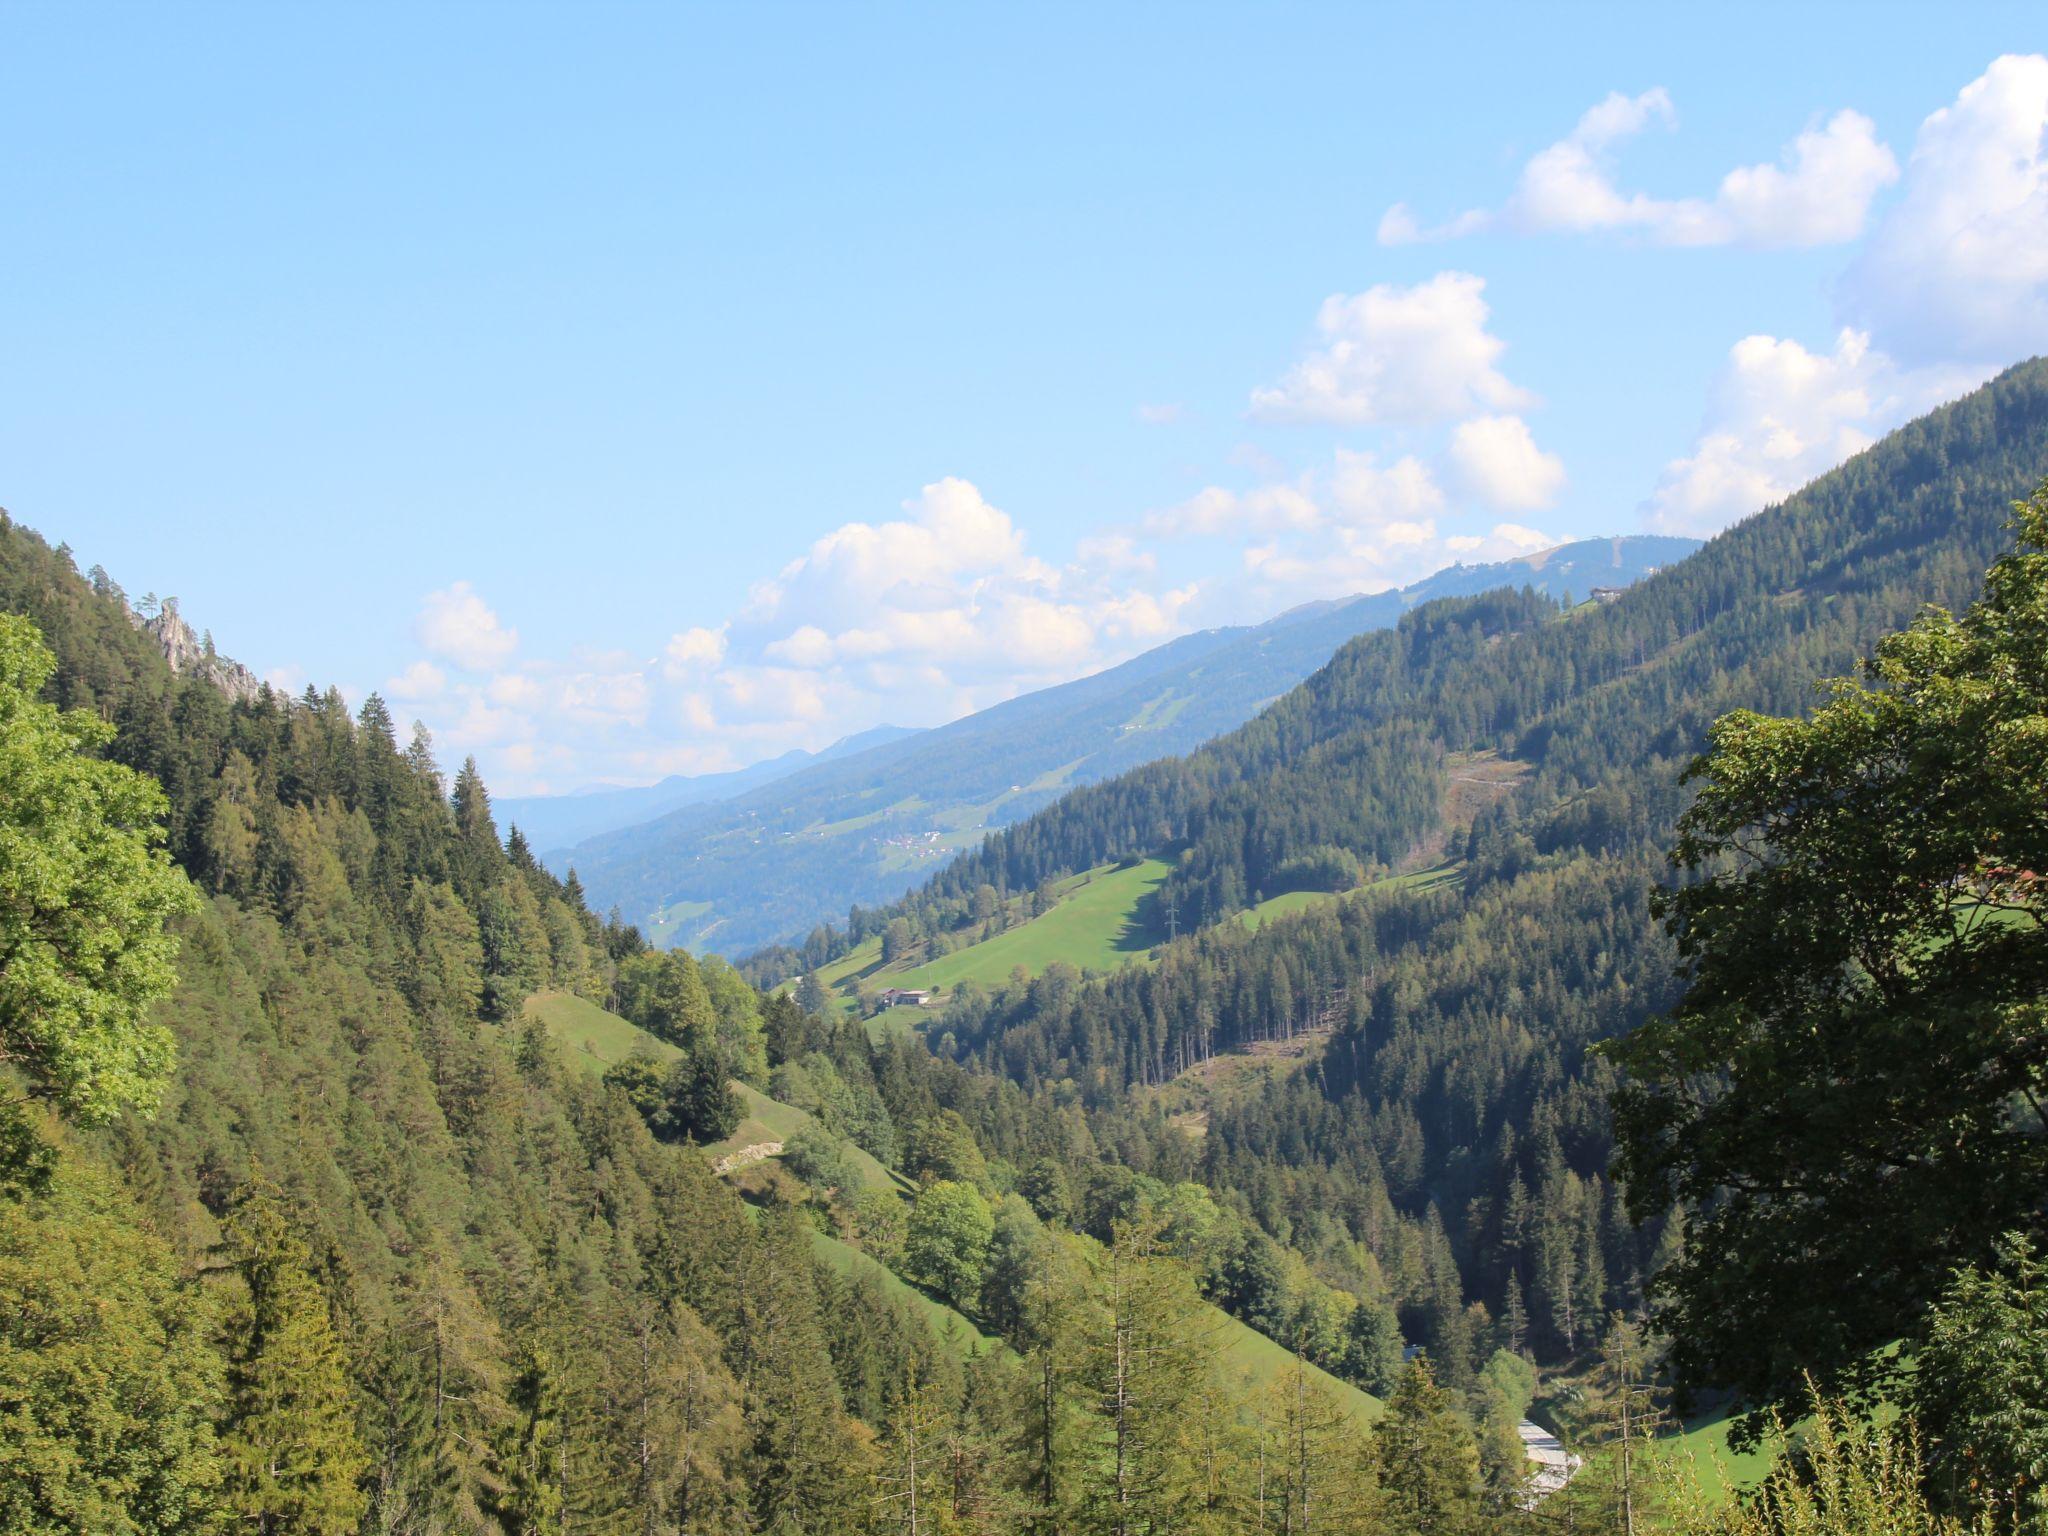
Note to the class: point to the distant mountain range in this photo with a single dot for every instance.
(740, 865)
(559, 821)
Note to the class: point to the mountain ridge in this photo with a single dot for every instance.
(551, 823)
(751, 870)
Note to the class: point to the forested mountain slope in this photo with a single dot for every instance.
(1460, 1084)
(384, 1260)
(778, 860)
(552, 822)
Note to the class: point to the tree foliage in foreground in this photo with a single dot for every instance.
(85, 891)
(1980, 1391)
(1849, 1097)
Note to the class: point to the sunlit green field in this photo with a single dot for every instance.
(591, 1038)
(1300, 901)
(951, 1327)
(1102, 920)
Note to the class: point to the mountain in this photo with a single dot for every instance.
(1451, 1109)
(551, 822)
(779, 860)
(402, 1247)
(393, 1225)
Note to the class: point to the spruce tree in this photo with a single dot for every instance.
(1425, 1458)
(288, 1436)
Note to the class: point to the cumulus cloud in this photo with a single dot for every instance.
(916, 618)
(458, 626)
(1364, 522)
(1958, 267)
(1363, 494)
(421, 680)
(1113, 552)
(1779, 415)
(1419, 354)
(689, 650)
(1497, 462)
(1215, 510)
(1818, 192)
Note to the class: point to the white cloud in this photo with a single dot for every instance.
(421, 680)
(1392, 354)
(778, 694)
(951, 540)
(805, 646)
(595, 697)
(1780, 415)
(1364, 492)
(917, 619)
(1497, 461)
(1113, 552)
(690, 649)
(1819, 195)
(1164, 415)
(1819, 191)
(1215, 511)
(458, 626)
(1958, 267)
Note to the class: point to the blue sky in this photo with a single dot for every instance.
(627, 391)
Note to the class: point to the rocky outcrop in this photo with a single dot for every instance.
(189, 656)
(759, 1152)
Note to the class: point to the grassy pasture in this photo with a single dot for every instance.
(590, 1037)
(1101, 920)
(946, 1324)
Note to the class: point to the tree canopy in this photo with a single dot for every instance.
(85, 892)
(1849, 1095)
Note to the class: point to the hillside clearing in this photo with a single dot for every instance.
(954, 1329)
(592, 1040)
(1100, 921)
(590, 1037)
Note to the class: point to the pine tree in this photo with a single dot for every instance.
(1053, 1332)
(1624, 1490)
(289, 1435)
(532, 1466)
(911, 1481)
(110, 1385)
(1514, 1318)
(1425, 1458)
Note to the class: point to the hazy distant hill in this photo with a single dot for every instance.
(775, 860)
(557, 821)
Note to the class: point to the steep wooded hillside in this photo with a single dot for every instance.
(1460, 1082)
(391, 1258)
(777, 861)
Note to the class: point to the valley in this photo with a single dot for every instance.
(1269, 1094)
(860, 827)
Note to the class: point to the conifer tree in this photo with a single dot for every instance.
(1148, 1369)
(1425, 1458)
(109, 1382)
(911, 1477)
(532, 1496)
(288, 1437)
(1319, 1477)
